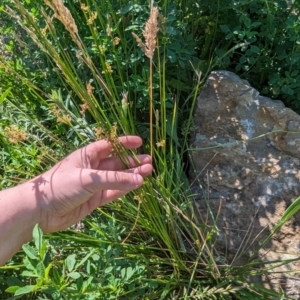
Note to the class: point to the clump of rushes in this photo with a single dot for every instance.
(154, 244)
(148, 47)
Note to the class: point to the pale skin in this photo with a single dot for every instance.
(65, 194)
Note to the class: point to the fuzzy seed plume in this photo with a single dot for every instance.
(149, 34)
(63, 14)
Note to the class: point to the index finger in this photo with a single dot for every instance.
(97, 151)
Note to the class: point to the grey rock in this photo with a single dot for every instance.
(246, 156)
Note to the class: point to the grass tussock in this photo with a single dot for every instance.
(103, 80)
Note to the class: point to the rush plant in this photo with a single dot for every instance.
(153, 243)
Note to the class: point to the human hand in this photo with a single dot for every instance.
(85, 180)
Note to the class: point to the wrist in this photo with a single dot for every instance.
(30, 196)
(21, 214)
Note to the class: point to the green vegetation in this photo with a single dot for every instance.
(64, 85)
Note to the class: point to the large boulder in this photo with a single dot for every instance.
(245, 150)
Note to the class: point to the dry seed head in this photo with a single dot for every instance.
(66, 119)
(49, 23)
(92, 18)
(149, 33)
(44, 30)
(102, 50)
(139, 42)
(137, 198)
(89, 89)
(84, 107)
(79, 56)
(99, 133)
(112, 138)
(14, 134)
(124, 99)
(140, 195)
(124, 103)
(108, 30)
(60, 117)
(116, 41)
(108, 69)
(63, 14)
(56, 111)
(88, 61)
(110, 135)
(162, 143)
(113, 133)
(84, 7)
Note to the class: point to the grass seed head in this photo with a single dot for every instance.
(139, 42)
(66, 119)
(102, 50)
(99, 133)
(79, 56)
(150, 32)
(92, 18)
(84, 107)
(62, 13)
(84, 7)
(116, 41)
(124, 100)
(14, 134)
(162, 143)
(108, 31)
(108, 68)
(44, 30)
(112, 138)
(89, 89)
(124, 103)
(137, 198)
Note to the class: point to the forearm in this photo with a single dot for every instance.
(18, 215)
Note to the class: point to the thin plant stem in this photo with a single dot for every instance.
(151, 108)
